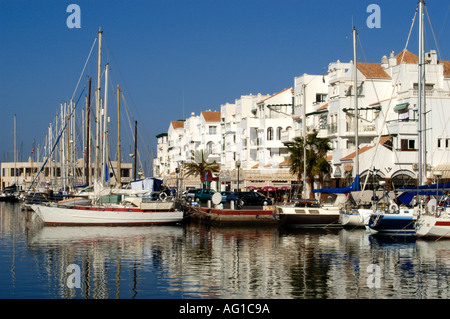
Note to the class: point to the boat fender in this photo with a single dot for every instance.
(162, 196)
(438, 213)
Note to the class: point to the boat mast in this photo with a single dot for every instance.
(88, 130)
(105, 129)
(135, 149)
(98, 106)
(15, 153)
(305, 191)
(119, 162)
(63, 151)
(355, 96)
(421, 158)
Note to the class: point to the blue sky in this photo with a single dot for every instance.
(174, 57)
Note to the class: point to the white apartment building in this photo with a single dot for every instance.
(388, 118)
(238, 133)
(255, 128)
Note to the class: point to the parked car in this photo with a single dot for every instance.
(189, 195)
(252, 198)
(204, 195)
(228, 196)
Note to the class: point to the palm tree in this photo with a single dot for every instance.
(316, 163)
(199, 165)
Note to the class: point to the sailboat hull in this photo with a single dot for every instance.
(393, 224)
(433, 226)
(355, 218)
(100, 216)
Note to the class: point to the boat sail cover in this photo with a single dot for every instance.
(424, 190)
(354, 187)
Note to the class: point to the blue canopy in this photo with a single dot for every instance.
(407, 197)
(354, 187)
(441, 186)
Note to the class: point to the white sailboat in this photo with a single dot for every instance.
(306, 213)
(349, 216)
(354, 217)
(139, 214)
(435, 223)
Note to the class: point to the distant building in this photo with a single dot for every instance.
(50, 176)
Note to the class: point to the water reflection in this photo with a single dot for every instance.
(194, 261)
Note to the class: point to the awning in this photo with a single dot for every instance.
(268, 189)
(401, 107)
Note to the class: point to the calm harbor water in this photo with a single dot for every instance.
(194, 261)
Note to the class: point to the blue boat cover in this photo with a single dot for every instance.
(354, 187)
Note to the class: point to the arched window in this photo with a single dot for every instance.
(270, 134)
(279, 129)
(210, 148)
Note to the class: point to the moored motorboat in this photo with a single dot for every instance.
(309, 214)
(8, 197)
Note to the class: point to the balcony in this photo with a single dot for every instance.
(364, 129)
(398, 127)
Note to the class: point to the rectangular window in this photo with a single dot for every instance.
(406, 145)
(212, 130)
(321, 97)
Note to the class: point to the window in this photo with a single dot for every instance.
(279, 129)
(439, 143)
(212, 130)
(428, 86)
(321, 97)
(270, 134)
(210, 147)
(406, 145)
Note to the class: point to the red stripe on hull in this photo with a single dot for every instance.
(441, 223)
(117, 209)
(113, 224)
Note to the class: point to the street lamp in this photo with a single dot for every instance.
(238, 165)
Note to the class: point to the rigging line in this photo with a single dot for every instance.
(85, 64)
(124, 87)
(440, 57)
(432, 32)
(368, 69)
(131, 128)
(443, 24)
(390, 100)
(57, 141)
